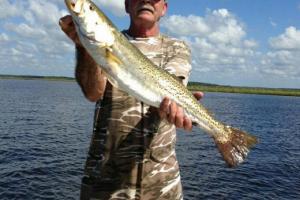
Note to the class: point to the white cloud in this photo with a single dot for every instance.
(283, 59)
(8, 9)
(191, 25)
(115, 6)
(31, 37)
(218, 41)
(218, 26)
(250, 43)
(274, 24)
(44, 12)
(25, 30)
(289, 40)
(221, 49)
(4, 37)
(225, 27)
(35, 40)
(32, 40)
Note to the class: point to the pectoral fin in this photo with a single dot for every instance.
(114, 63)
(111, 58)
(178, 78)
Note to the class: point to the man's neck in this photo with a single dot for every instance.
(143, 32)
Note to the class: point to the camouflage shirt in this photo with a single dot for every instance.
(132, 152)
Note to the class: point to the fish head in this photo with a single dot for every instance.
(80, 8)
(91, 23)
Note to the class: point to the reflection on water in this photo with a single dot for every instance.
(45, 131)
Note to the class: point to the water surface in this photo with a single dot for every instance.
(45, 129)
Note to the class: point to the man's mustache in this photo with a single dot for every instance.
(145, 7)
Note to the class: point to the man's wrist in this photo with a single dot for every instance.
(81, 53)
(79, 49)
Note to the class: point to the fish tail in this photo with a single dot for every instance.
(235, 150)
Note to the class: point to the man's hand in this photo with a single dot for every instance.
(67, 26)
(174, 113)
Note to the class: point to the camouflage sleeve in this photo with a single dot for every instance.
(179, 61)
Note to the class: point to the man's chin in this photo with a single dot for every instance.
(146, 17)
(145, 14)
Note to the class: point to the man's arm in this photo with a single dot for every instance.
(89, 76)
(87, 73)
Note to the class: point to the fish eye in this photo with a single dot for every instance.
(91, 8)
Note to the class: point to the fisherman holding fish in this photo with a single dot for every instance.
(132, 152)
(133, 145)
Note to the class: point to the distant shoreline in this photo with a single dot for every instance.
(193, 86)
(31, 77)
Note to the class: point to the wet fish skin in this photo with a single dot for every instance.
(128, 69)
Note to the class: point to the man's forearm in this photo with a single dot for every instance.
(89, 75)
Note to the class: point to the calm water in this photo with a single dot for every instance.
(45, 130)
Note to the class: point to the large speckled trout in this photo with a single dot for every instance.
(128, 69)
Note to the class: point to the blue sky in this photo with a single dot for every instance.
(233, 42)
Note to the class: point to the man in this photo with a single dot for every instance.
(132, 153)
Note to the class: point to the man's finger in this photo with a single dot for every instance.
(179, 118)
(187, 124)
(198, 95)
(164, 108)
(65, 21)
(172, 112)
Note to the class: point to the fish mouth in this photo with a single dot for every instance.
(75, 6)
